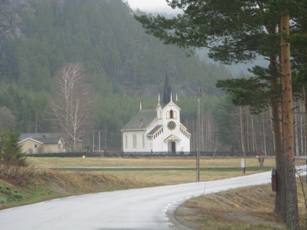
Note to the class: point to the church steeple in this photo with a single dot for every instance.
(159, 100)
(167, 91)
(159, 108)
(141, 106)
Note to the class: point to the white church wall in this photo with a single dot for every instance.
(134, 141)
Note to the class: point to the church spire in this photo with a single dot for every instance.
(166, 91)
(159, 100)
(141, 106)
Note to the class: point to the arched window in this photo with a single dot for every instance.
(171, 114)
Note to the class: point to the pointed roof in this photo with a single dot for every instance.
(141, 106)
(43, 138)
(141, 120)
(172, 103)
(159, 101)
(167, 91)
(154, 130)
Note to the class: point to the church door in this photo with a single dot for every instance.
(172, 147)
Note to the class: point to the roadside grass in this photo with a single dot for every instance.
(38, 182)
(240, 209)
(19, 186)
(208, 162)
(168, 177)
(156, 170)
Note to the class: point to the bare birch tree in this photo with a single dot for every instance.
(71, 103)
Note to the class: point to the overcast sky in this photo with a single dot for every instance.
(149, 5)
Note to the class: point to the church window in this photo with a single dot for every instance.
(126, 141)
(134, 141)
(171, 114)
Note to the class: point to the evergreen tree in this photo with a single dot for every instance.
(10, 151)
(238, 32)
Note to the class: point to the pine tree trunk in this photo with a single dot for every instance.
(264, 135)
(301, 128)
(280, 200)
(291, 189)
(296, 129)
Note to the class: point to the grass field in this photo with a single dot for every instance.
(158, 171)
(241, 209)
(52, 162)
(48, 178)
(19, 185)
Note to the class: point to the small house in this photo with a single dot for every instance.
(32, 143)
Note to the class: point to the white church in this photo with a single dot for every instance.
(156, 130)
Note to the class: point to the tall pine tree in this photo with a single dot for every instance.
(238, 32)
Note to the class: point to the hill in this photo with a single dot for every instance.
(122, 63)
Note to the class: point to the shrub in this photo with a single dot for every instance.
(20, 176)
(12, 194)
(10, 151)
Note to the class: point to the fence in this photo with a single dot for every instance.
(143, 154)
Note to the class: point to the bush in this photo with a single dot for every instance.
(20, 176)
(10, 151)
(10, 193)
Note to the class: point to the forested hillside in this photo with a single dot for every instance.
(122, 64)
(104, 36)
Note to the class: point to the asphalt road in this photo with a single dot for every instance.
(146, 209)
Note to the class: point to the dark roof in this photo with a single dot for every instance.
(154, 130)
(141, 120)
(167, 91)
(46, 138)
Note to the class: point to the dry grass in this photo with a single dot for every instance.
(23, 185)
(247, 208)
(158, 170)
(38, 182)
(57, 162)
(29, 176)
(168, 177)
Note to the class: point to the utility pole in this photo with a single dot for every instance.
(93, 147)
(198, 123)
(106, 137)
(99, 141)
